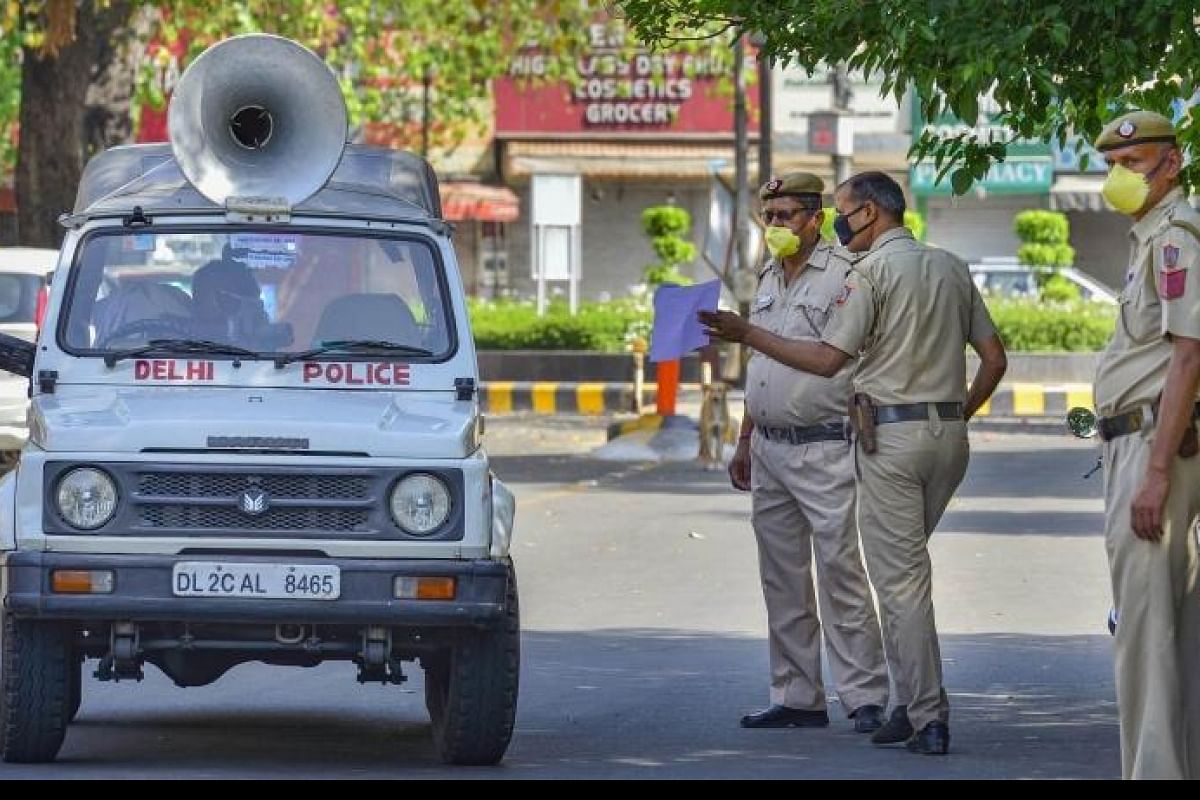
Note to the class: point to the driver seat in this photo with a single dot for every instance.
(143, 302)
(367, 316)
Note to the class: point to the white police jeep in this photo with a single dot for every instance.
(254, 430)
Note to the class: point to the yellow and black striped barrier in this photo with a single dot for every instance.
(1036, 400)
(556, 397)
(1031, 400)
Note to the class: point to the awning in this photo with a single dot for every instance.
(465, 200)
(1078, 193)
(631, 160)
(650, 160)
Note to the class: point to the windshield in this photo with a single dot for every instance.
(264, 291)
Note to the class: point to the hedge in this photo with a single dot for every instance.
(1035, 327)
(1024, 325)
(515, 325)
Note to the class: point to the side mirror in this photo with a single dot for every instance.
(1082, 422)
(16, 355)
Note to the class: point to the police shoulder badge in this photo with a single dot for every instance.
(1172, 281)
(1126, 130)
(844, 295)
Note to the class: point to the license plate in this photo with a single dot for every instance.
(265, 581)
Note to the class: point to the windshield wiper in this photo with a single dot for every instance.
(181, 346)
(352, 345)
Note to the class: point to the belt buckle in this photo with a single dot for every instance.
(1136, 419)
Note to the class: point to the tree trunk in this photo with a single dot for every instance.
(58, 128)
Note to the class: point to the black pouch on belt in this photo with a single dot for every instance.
(862, 420)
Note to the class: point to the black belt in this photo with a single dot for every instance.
(913, 412)
(1129, 422)
(806, 434)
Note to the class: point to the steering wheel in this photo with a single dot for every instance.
(169, 327)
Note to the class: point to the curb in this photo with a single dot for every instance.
(1037, 400)
(1048, 401)
(566, 397)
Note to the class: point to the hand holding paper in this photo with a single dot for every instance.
(725, 325)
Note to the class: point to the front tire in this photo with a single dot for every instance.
(471, 690)
(74, 686)
(36, 661)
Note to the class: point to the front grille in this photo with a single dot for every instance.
(231, 501)
(201, 501)
(224, 484)
(284, 520)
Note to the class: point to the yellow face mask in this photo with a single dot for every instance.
(1126, 190)
(782, 242)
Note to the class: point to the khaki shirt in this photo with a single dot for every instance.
(1161, 299)
(776, 394)
(910, 310)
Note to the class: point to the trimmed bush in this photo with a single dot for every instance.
(1038, 327)
(1024, 325)
(515, 325)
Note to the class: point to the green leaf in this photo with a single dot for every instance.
(961, 180)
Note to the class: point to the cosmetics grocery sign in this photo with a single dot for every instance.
(623, 90)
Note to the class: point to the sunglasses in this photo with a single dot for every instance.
(770, 215)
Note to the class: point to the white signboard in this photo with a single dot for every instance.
(556, 199)
(797, 94)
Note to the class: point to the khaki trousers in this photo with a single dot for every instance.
(803, 503)
(1158, 616)
(903, 489)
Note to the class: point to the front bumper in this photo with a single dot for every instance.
(143, 592)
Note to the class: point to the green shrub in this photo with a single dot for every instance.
(1046, 255)
(515, 325)
(1044, 236)
(1024, 325)
(1040, 327)
(666, 221)
(1057, 289)
(1043, 227)
(666, 226)
(915, 223)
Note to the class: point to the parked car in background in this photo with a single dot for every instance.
(24, 289)
(1009, 278)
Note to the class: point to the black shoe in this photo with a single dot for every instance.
(896, 730)
(933, 740)
(784, 717)
(867, 718)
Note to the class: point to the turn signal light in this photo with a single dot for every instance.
(82, 581)
(424, 588)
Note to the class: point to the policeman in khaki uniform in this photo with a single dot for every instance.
(909, 310)
(794, 455)
(1146, 390)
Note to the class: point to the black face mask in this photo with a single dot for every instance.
(841, 226)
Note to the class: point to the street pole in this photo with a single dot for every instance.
(842, 96)
(426, 80)
(765, 122)
(740, 146)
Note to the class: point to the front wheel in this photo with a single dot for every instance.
(74, 686)
(471, 690)
(36, 661)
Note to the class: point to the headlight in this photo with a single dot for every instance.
(420, 504)
(87, 498)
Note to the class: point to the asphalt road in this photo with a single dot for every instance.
(644, 641)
